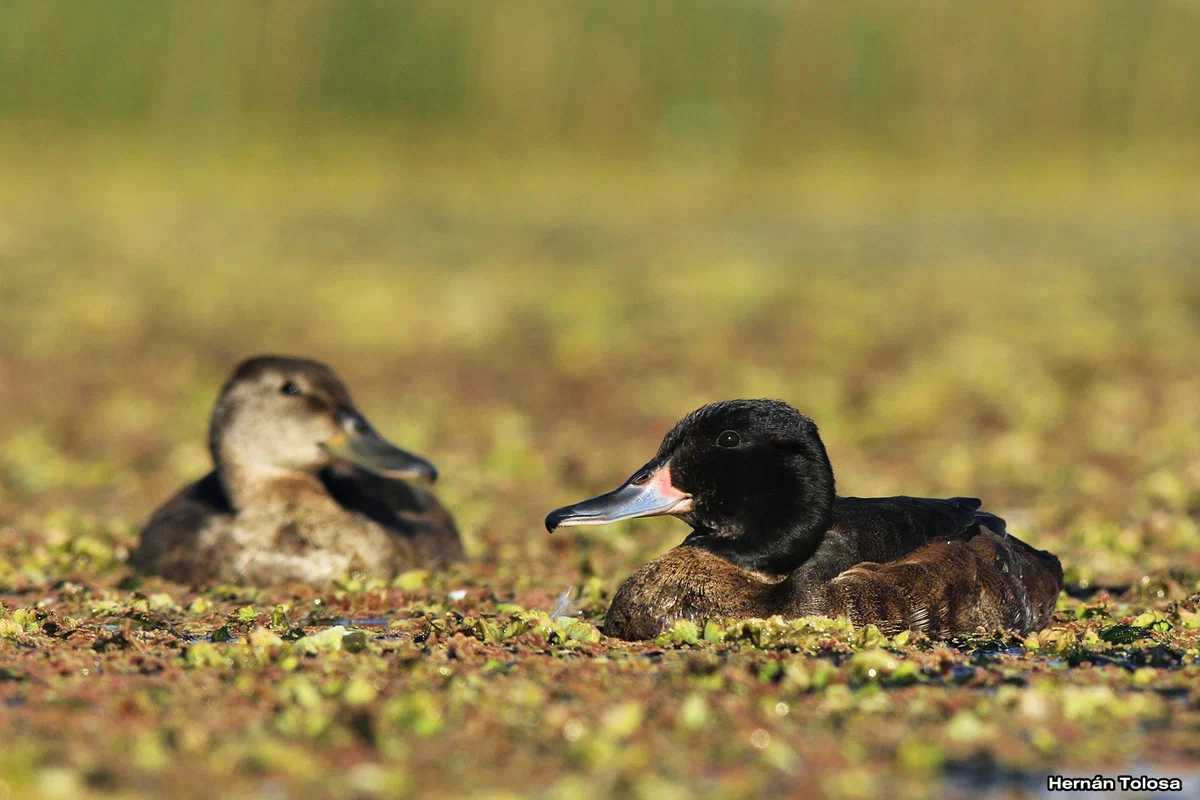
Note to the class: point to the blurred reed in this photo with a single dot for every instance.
(721, 79)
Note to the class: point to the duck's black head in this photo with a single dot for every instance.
(750, 476)
(279, 415)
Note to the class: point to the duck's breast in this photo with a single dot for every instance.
(686, 583)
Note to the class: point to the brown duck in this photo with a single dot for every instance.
(303, 489)
(771, 537)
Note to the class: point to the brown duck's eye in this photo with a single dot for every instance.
(290, 388)
(729, 439)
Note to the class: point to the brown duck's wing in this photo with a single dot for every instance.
(169, 545)
(988, 580)
(410, 512)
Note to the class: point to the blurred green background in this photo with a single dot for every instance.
(752, 81)
(963, 237)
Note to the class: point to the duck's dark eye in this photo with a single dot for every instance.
(729, 439)
(290, 388)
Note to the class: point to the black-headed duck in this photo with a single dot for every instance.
(771, 537)
(303, 489)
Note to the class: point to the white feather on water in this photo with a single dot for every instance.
(565, 607)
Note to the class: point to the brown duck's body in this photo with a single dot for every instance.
(771, 537)
(287, 501)
(983, 580)
(347, 520)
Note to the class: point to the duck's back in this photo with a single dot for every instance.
(171, 543)
(885, 529)
(986, 579)
(940, 566)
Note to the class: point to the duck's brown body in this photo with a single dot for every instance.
(287, 501)
(983, 581)
(344, 520)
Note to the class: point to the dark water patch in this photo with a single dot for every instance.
(223, 634)
(835, 657)
(961, 673)
(145, 625)
(1159, 657)
(210, 639)
(1086, 591)
(986, 649)
(349, 622)
(985, 658)
(101, 779)
(980, 775)
(1120, 659)
(130, 583)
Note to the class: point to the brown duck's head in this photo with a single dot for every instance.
(278, 415)
(751, 477)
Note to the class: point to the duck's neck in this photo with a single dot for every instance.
(247, 486)
(775, 544)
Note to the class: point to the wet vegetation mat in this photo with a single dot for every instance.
(534, 329)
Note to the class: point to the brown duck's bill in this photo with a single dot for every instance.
(361, 444)
(649, 493)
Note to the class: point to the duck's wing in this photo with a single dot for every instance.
(956, 586)
(911, 522)
(883, 529)
(400, 507)
(169, 544)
